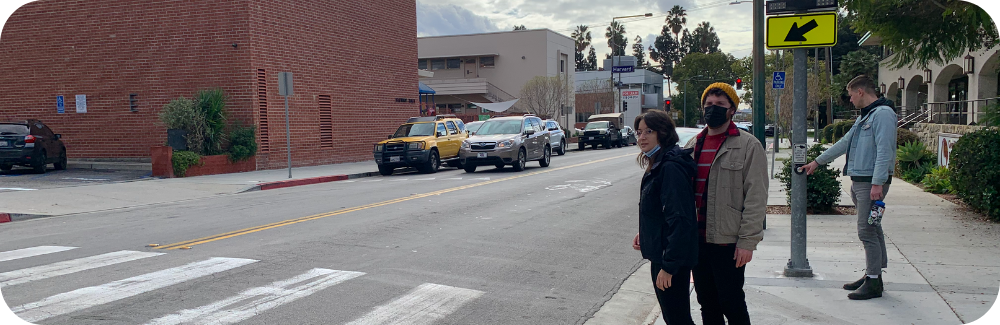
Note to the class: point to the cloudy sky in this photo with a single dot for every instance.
(733, 23)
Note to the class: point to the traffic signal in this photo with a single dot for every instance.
(739, 83)
(624, 105)
(666, 105)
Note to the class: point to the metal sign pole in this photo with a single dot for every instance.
(285, 89)
(798, 265)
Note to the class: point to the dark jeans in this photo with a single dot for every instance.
(719, 285)
(675, 302)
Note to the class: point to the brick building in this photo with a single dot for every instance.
(353, 69)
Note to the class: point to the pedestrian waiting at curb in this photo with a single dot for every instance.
(668, 233)
(870, 146)
(731, 198)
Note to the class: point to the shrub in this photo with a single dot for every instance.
(182, 160)
(914, 161)
(183, 114)
(975, 171)
(841, 129)
(938, 181)
(828, 133)
(822, 187)
(904, 136)
(991, 115)
(242, 143)
(212, 104)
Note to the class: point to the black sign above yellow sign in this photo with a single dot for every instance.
(802, 31)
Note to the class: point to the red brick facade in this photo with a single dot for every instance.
(353, 59)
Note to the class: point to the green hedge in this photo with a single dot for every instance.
(828, 133)
(975, 171)
(822, 187)
(182, 160)
(904, 136)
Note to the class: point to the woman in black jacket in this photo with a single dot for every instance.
(668, 229)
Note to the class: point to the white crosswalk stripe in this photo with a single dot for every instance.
(31, 251)
(422, 306)
(268, 297)
(97, 295)
(68, 267)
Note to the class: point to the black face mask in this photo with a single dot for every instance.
(715, 116)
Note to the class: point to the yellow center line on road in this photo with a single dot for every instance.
(231, 234)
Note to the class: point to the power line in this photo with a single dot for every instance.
(599, 25)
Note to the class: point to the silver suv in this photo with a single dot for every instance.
(512, 140)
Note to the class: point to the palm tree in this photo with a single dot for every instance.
(582, 37)
(676, 19)
(616, 38)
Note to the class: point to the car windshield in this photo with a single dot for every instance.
(474, 126)
(13, 129)
(685, 134)
(500, 127)
(596, 125)
(414, 130)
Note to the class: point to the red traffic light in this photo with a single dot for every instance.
(739, 83)
(667, 102)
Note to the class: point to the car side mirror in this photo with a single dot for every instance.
(529, 132)
(472, 133)
(390, 137)
(58, 136)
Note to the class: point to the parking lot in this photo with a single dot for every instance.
(24, 179)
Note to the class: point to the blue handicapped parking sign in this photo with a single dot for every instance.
(778, 81)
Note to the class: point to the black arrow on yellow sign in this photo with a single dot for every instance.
(798, 34)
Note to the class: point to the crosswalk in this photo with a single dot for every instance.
(423, 305)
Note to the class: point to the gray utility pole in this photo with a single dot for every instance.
(816, 116)
(777, 109)
(829, 74)
(758, 72)
(798, 265)
(285, 89)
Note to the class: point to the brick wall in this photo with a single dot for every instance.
(361, 55)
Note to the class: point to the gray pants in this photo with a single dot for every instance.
(871, 236)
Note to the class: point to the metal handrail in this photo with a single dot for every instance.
(494, 93)
(949, 112)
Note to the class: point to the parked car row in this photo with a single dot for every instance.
(608, 131)
(31, 144)
(426, 142)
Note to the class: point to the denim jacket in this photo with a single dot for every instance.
(872, 143)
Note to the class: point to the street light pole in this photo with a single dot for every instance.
(617, 58)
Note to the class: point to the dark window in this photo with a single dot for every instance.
(562, 65)
(13, 129)
(535, 123)
(454, 63)
(437, 64)
(461, 126)
(486, 62)
(452, 129)
(441, 130)
(422, 64)
(456, 108)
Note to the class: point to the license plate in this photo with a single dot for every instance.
(394, 159)
(481, 155)
(3, 143)
(591, 138)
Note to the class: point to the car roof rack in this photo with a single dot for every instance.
(431, 118)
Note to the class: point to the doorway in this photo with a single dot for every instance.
(471, 69)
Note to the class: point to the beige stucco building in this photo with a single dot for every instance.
(493, 67)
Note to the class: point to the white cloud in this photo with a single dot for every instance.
(450, 19)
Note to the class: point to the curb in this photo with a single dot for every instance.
(11, 217)
(306, 181)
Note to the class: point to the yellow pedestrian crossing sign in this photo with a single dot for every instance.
(802, 31)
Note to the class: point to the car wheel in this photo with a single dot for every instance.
(606, 144)
(580, 146)
(562, 147)
(594, 146)
(470, 168)
(521, 160)
(546, 157)
(499, 166)
(6, 168)
(61, 164)
(41, 164)
(432, 164)
(385, 170)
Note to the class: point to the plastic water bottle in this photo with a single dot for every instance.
(875, 216)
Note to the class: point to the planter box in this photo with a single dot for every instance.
(210, 165)
(572, 140)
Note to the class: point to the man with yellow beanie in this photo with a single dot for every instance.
(731, 199)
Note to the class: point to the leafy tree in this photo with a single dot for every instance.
(616, 39)
(639, 53)
(520, 27)
(592, 60)
(676, 20)
(852, 65)
(704, 39)
(583, 39)
(666, 51)
(698, 70)
(924, 31)
(688, 43)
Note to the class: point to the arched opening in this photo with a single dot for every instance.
(951, 95)
(988, 77)
(915, 94)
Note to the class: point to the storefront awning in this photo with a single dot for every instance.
(497, 107)
(424, 89)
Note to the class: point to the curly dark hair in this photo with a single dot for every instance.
(666, 132)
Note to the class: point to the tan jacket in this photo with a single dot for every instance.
(737, 192)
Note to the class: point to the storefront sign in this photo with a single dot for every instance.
(946, 141)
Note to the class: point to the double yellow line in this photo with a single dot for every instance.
(189, 243)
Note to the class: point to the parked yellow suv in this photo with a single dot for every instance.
(424, 143)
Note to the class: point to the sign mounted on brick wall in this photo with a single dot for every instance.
(81, 103)
(60, 105)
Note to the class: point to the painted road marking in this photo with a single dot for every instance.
(68, 267)
(84, 298)
(231, 234)
(422, 306)
(87, 179)
(265, 298)
(16, 189)
(32, 251)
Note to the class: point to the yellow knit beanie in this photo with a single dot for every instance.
(725, 88)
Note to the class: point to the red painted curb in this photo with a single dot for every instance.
(301, 181)
(4, 217)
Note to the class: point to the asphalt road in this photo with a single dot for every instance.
(543, 246)
(25, 179)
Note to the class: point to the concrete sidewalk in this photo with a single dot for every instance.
(943, 269)
(81, 199)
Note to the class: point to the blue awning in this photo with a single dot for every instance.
(424, 89)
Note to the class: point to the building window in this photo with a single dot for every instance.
(437, 64)
(486, 62)
(455, 108)
(454, 63)
(562, 65)
(422, 64)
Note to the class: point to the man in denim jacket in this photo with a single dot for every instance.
(870, 146)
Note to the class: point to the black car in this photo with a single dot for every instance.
(32, 144)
